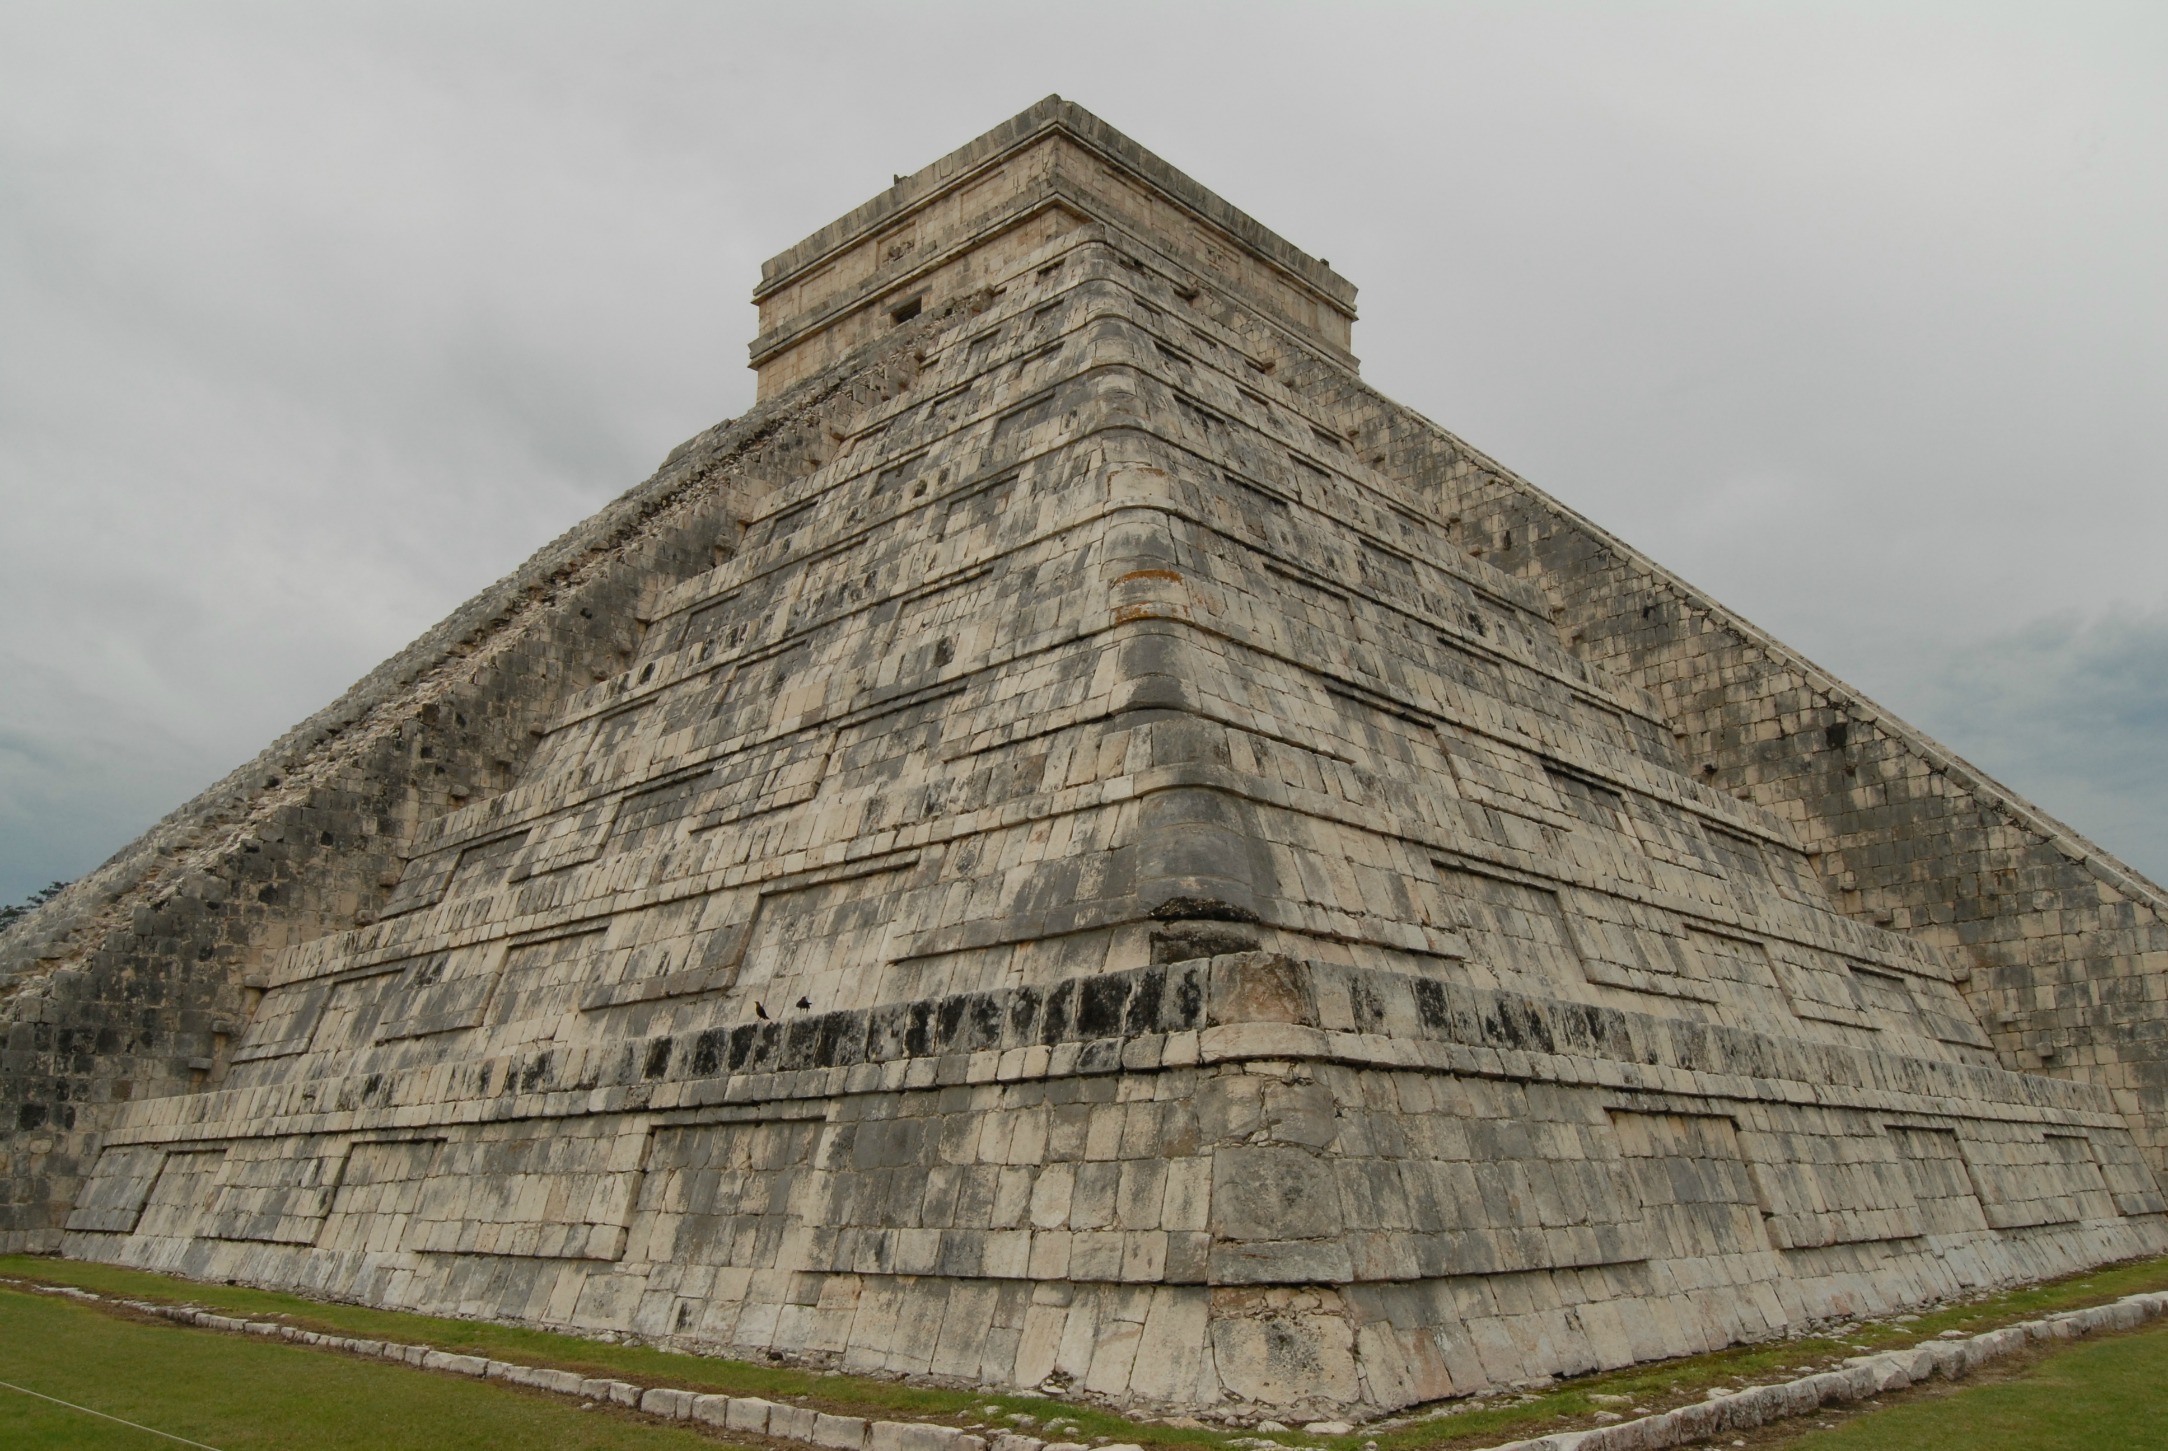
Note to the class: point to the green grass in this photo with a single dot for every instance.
(2098, 1395)
(1655, 1386)
(644, 1365)
(1669, 1383)
(239, 1392)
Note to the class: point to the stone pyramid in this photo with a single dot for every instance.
(1073, 844)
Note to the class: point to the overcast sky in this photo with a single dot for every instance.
(316, 318)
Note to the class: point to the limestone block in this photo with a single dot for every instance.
(675, 1404)
(1246, 935)
(1279, 1262)
(1263, 1193)
(841, 1433)
(455, 1364)
(747, 1413)
(1891, 1372)
(911, 1436)
(1282, 1357)
(786, 1423)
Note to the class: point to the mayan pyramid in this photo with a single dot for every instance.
(1079, 843)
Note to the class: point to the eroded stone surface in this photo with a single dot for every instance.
(1083, 869)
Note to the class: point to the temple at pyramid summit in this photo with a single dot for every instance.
(1078, 844)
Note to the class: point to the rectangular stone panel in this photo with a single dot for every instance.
(274, 1190)
(119, 1186)
(1823, 1179)
(1690, 1177)
(2129, 1179)
(351, 1008)
(665, 952)
(722, 1194)
(284, 1021)
(1508, 922)
(737, 618)
(822, 940)
(565, 839)
(1945, 1015)
(622, 743)
(1592, 803)
(482, 865)
(768, 776)
(561, 1193)
(543, 976)
(181, 1198)
(1672, 836)
(423, 882)
(1934, 1164)
(937, 633)
(1818, 986)
(889, 748)
(1886, 998)
(1740, 861)
(442, 992)
(2026, 1178)
(2075, 1166)
(379, 1189)
(1740, 961)
(1619, 946)
(660, 810)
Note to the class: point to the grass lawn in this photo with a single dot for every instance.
(235, 1391)
(644, 1365)
(2098, 1395)
(1443, 1428)
(1665, 1384)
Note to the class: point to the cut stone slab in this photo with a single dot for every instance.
(1075, 871)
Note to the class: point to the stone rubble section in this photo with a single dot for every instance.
(1097, 883)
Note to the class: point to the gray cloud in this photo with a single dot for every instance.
(2070, 711)
(317, 318)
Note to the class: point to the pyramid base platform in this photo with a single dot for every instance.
(1244, 1179)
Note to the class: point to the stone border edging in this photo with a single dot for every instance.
(1862, 1376)
(749, 1414)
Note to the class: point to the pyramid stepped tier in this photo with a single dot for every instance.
(1100, 883)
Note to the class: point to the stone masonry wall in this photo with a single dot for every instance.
(1139, 858)
(1245, 1176)
(135, 981)
(1097, 884)
(2067, 947)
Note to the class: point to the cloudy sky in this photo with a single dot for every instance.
(315, 318)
